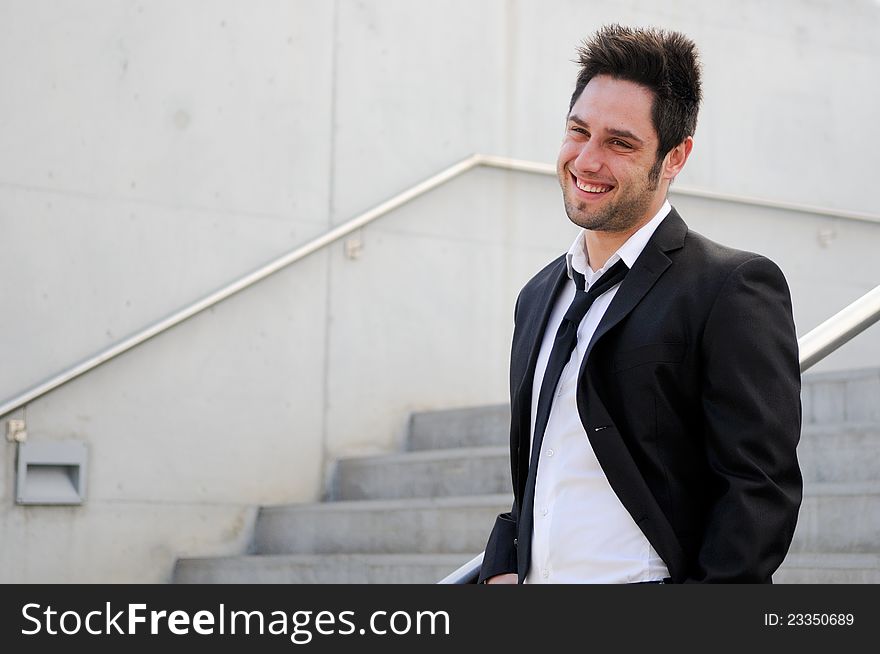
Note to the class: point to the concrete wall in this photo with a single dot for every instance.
(152, 151)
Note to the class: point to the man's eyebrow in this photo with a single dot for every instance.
(626, 134)
(622, 133)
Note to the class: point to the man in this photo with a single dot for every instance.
(661, 448)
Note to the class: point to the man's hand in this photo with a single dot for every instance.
(509, 578)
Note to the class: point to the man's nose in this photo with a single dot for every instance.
(589, 159)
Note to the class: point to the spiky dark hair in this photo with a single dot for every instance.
(666, 63)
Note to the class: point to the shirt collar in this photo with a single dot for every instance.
(576, 259)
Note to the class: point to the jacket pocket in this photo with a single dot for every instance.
(651, 353)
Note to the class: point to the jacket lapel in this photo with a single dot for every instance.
(534, 325)
(647, 269)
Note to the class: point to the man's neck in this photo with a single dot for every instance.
(601, 245)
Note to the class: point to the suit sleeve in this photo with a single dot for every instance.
(500, 555)
(751, 410)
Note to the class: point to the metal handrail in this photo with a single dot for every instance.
(843, 326)
(342, 230)
(466, 574)
(813, 346)
(240, 284)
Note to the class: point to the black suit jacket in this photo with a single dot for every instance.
(690, 395)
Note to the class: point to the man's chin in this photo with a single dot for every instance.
(588, 220)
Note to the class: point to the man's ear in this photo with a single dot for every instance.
(676, 158)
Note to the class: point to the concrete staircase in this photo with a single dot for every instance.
(837, 539)
(412, 517)
(415, 516)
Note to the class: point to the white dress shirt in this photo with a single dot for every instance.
(582, 533)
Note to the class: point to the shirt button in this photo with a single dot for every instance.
(550, 452)
(545, 573)
(544, 511)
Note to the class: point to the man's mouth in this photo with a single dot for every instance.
(592, 187)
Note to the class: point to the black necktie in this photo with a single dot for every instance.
(563, 345)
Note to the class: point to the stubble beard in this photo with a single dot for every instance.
(619, 215)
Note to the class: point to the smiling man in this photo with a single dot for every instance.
(654, 376)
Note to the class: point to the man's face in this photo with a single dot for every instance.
(606, 159)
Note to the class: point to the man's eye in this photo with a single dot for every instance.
(579, 130)
(621, 144)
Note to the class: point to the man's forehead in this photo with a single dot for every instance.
(610, 94)
(608, 103)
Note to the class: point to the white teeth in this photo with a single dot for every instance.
(592, 188)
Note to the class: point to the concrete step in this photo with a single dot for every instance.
(839, 517)
(812, 568)
(849, 396)
(835, 517)
(466, 427)
(318, 569)
(835, 399)
(429, 473)
(458, 524)
(807, 568)
(826, 453)
(840, 452)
